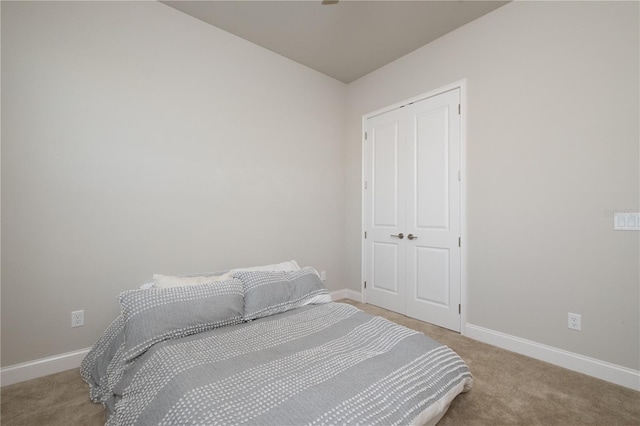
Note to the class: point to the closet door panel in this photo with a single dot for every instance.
(433, 211)
(385, 185)
(432, 169)
(385, 202)
(432, 270)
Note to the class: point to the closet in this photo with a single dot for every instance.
(412, 209)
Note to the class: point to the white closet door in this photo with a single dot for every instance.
(433, 211)
(385, 200)
(412, 210)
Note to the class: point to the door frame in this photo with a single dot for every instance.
(460, 84)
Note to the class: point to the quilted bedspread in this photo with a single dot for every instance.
(314, 365)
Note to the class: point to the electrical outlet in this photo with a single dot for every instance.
(575, 321)
(77, 318)
(323, 275)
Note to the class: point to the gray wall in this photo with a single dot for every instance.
(136, 140)
(552, 150)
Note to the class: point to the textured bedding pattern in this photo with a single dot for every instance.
(318, 364)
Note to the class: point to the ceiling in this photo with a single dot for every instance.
(345, 40)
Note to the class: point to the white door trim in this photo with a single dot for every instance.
(461, 84)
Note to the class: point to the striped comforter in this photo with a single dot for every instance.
(315, 365)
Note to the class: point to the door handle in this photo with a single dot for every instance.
(400, 235)
(412, 237)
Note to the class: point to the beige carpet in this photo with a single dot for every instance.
(509, 389)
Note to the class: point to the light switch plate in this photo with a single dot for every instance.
(626, 221)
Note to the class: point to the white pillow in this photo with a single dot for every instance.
(166, 281)
(289, 266)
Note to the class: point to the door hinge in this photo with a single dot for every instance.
(365, 135)
(365, 184)
(458, 109)
(459, 242)
(365, 235)
(365, 285)
(459, 309)
(459, 175)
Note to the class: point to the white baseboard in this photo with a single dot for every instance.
(345, 293)
(41, 367)
(603, 370)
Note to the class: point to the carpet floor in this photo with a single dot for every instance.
(508, 389)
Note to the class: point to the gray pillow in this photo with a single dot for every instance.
(159, 314)
(268, 293)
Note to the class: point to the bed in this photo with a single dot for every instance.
(265, 348)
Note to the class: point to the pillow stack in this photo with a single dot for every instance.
(178, 306)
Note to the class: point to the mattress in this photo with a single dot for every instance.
(318, 364)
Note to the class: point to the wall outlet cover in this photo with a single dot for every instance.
(77, 318)
(575, 321)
